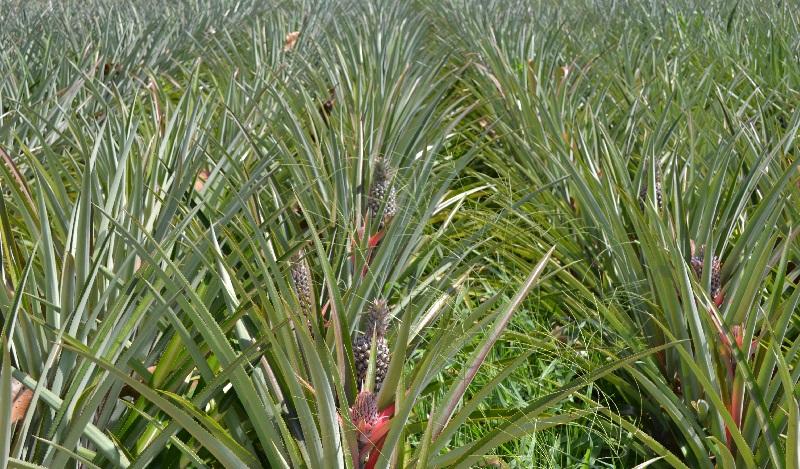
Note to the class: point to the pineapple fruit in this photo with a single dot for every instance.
(365, 410)
(716, 267)
(381, 192)
(646, 185)
(377, 323)
(301, 276)
(364, 414)
(303, 286)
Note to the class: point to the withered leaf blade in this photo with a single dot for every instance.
(21, 400)
(200, 182)
(291, 40)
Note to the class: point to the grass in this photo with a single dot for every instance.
(566, 179)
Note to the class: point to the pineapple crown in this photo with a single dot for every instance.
(694, 251)
(699, 254)
(382, 172)
(657, 169)
(378, 318)
(297, 258)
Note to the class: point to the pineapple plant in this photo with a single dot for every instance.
(377, 323)
(381, 192)
(154, 337)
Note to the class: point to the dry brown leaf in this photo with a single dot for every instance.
(16, 388)
(559, 334)
(565, 73)
(110, 67)
(16, 175)
(291, 40)
(484, 125)
(21, 400)
(200, 182)
(532, 80)
(327, 107)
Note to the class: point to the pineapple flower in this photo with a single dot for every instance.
(372, 425)
(364, 412)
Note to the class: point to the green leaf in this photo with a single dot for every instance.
(224, 453)
(5, 405)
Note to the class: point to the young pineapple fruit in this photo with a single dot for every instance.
(364, 414)
(381, 192)
(303, 287)
(716, 266)
(646, 185)
(377, 323)
(365, 410)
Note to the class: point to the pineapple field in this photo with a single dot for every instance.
(371, 234)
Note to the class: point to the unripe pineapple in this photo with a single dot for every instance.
(646, 185)
(365, 410)
(364, 414)
(377, 322)
(382, 193)
(303, 287)
(716, 266)
(716, 283)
